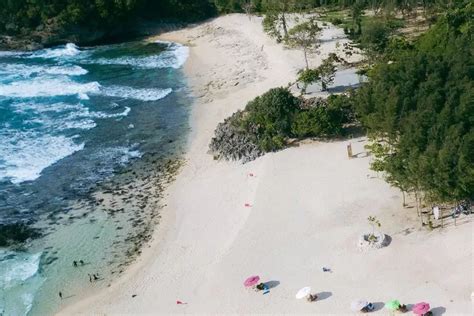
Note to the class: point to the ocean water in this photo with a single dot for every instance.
(72, 121)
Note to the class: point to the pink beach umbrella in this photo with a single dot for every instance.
(251, 281)
(421, 308)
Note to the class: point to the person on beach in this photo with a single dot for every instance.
(262, 287)
(312, 297)
(60, 295)
(368, 308)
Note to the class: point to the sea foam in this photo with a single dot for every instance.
(174, 57)
(26, 153)
(15, 267)
(67, 50)
(137, 94)
(19, 281)
(41, 87)
(20, 70)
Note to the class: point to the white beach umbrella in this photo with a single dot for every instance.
(357, 305)
(303, 292)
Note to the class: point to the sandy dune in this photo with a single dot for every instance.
(308, 206)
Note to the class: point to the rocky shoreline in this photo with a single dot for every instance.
(135, 199)
(51, 35)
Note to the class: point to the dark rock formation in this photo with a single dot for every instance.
(232, 143)
(17, 233)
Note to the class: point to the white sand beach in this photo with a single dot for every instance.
(307, 207)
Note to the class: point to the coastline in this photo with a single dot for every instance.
(208, 242)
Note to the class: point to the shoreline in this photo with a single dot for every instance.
(206, 237)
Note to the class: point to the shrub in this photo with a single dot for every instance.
(271, 119)
(344, 105)
(307, 77)
(336, 21)
(375, 36)
(319, 121)
(270, 116)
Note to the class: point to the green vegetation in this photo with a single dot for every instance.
(269, 117)
(417, 105)
(373, 222)
(325, 73)
(418, 110)
(82, 21)
(320, 121)
(269, 121)
(304, 36)
(100, 18)
(307, 76)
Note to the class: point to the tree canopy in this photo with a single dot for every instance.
(419, 109)
(19, 17)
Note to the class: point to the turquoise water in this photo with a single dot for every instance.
(73, 119)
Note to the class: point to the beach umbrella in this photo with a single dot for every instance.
(421, 308)
(357, 305)
(303, 292)
(392, 305)
(251, 281)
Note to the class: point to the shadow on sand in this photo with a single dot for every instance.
(272, 284)
(324, 295)
(378, 306)
(440, 310)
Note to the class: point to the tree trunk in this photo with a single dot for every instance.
(418, 208)
(416, 203)
(306, 58)
(404, 201)
(283, 23)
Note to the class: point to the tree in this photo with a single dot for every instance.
(420, 108)
(374, 38)
(248, 6)
(318, 121)
(278, 9)
(374, 222)
(327, 72)
(306, 77)
(305, 36)
(276, 12)
(357, 11)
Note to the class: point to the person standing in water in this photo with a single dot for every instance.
(60, 295)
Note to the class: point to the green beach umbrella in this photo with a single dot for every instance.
(392, 305)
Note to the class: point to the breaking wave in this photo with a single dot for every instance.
(41, 87)
(24, 154)
(68, 50)
(174, 57)
(20, 70)
(137, 94)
